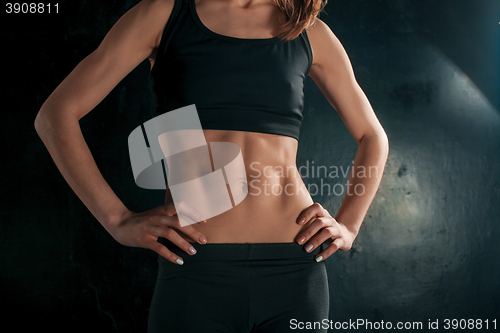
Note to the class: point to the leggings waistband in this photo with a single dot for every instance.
(245, 251)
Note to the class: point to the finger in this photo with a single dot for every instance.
(174, 222)
(310, 230)
(165, 253)
(175, 238)
(325, 235)
(315, 210)
(188, 213)
(194, 234)
(331, 249)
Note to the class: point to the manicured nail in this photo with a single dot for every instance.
(319, 258)
(302, 220)
(203, 240)
(179, 261)
(192, 250)
(309, 247)
(301, 239)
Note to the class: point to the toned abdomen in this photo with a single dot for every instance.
(276, 193)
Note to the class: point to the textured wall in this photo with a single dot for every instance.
(428, 248)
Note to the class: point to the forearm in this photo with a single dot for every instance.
(364, 180)
(62, 135)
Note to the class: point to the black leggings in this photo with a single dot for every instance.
(240, 288)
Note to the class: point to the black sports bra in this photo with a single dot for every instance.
(240, 84)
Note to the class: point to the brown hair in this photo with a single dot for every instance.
(301, 14)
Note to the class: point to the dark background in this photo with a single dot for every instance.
(428, 248)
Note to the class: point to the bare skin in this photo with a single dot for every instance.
(259, 218)
(267, 214)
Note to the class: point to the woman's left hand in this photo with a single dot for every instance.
(334, 233)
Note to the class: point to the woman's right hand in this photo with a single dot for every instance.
(143, 229)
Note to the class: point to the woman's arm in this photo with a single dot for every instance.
(130, 41)
(333, 74)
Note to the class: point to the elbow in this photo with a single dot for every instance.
(384, 144)
(41, 123)
(55, 121)
(38, 124)
(379, 139)
(44, 121)
(384, 140)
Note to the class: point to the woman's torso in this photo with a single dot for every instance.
(276, 193)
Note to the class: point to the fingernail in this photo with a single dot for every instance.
(180, 261)
(319, 258)
(309, 247)
(302, 220)
(301, 239)
(192, 250)
(203, 240)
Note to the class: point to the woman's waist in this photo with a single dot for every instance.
(271, 253)
(262, 218)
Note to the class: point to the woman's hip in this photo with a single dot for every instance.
(241, 287)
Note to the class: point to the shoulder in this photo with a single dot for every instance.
(136, 34)
(323, 42)
(158, 5)
(157, 13)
